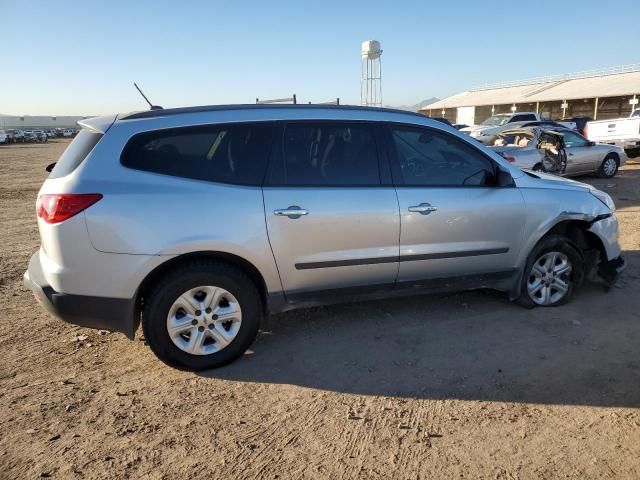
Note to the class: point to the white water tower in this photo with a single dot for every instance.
(371, 75)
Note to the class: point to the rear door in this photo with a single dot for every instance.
(454, 223)
(331, 210)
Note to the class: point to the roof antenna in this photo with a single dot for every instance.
(151, 107)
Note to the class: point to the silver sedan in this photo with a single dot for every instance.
(558, 151)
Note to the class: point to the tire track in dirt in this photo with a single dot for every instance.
(264, 446)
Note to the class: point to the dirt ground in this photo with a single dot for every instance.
(463, 386)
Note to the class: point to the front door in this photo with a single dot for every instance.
(581, 156)
(454, 221)
(332, 223)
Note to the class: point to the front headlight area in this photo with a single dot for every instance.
(604, 198)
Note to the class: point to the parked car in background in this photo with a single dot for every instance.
(579, 122)
(15, 135)
(4, 138)
(30, 136)
(459, 126)
(490, 135)
(559, 151)
(332, 215)
(41, 135)
(623, 132)
(499, 120)
(67, 133)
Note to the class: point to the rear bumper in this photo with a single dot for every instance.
(86, 311)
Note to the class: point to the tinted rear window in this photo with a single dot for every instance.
(234, 154)
(327, 154)
(75, 153)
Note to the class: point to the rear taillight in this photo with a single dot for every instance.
(58, 207)
(510, 159)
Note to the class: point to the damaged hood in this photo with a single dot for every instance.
(546, 180)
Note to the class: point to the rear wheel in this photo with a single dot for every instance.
(202, 315)
(609, 166)
(553, 269)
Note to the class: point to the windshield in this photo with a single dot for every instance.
(496, 120)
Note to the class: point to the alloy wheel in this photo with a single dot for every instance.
(550, 278)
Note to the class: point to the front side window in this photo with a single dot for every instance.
(234, 154)
(573, 140)
(328, 154)
(432, 158)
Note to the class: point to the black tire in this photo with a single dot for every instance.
(608, 158)
(191, 275)
(552, 243)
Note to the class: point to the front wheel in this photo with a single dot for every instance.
(202, 315)
(553, 269)
(609, 166)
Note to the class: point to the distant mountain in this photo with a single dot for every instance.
(417, 106)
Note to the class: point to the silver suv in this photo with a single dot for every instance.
(199, 221)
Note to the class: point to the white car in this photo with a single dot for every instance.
(623, 132)
(67, 133)
(4, 138)
(499, 120)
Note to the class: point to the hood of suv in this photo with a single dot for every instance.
(545, 180)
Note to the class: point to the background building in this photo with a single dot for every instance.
(601, 95)
(38, 121)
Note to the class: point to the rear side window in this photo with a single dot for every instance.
(75, 153)
(327, 154)
(234, 154)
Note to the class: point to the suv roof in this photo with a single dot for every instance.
(172, 116)
(215, 108)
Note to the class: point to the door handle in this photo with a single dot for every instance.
(292, 211)
(423, 209)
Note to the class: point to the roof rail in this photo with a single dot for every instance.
(213, 108)
(278, 100)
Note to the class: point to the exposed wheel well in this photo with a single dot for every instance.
(586, 242)
(155, 275)
(588, 245)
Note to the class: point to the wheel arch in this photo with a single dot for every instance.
(587, 243)
(164, 268)
(612, 153)
(577, 231)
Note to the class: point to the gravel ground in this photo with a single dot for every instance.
(462, 386)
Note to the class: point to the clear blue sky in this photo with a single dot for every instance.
(81, 57)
